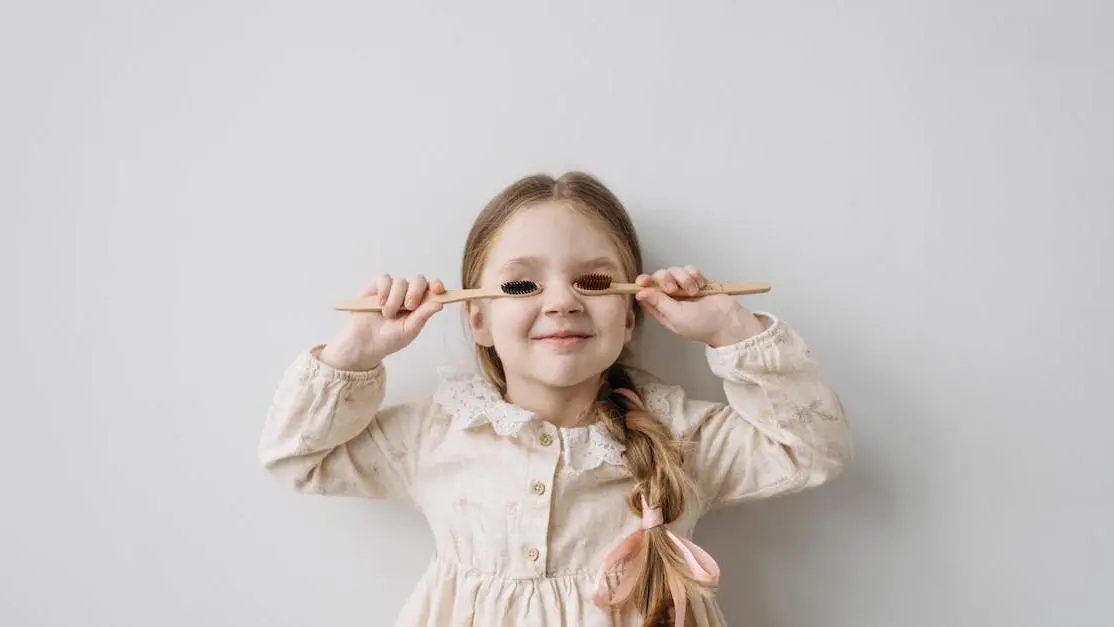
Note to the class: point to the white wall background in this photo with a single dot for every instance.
(187, 187)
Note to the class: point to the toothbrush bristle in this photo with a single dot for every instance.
(593, 282)
(519, 287)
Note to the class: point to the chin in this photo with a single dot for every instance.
(562, 371)
(563, 379)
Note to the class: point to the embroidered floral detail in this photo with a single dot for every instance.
(804, 413)
(473, 401)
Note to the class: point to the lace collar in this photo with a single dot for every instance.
(473, 401)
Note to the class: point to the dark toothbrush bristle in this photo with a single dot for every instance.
(519, 288)
(593, 282)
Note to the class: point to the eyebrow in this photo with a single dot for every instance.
(521, 261)
(598, 262)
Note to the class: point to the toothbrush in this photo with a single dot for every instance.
(588, 284)
(514, 289)
(600, 284)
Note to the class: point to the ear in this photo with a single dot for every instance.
(629, 325)
(476, 321)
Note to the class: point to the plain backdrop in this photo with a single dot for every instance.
(187, 188)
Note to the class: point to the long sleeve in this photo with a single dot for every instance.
(783, 428)
(327, 432)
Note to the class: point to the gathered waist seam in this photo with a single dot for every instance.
(582, 573)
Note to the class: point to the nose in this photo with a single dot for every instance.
(561, 299)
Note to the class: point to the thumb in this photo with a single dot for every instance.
(658, 300)
(416, 319)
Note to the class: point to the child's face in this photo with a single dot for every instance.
(552, 245)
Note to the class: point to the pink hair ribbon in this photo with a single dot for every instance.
(631, 396)
(700, 564)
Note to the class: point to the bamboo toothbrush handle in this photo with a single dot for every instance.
(710, 288)
(371, 303)
(733, 288)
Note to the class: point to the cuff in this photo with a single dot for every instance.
(769, 352)
(314, 367)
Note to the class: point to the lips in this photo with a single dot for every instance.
(563, 335)
(563, 341)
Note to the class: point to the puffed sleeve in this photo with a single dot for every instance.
(783, 429)
(327, 432)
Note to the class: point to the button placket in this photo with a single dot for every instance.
(540, 469)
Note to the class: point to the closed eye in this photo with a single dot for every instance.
(592, 282)
(520, 287)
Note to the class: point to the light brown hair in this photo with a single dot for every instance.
(652, 456)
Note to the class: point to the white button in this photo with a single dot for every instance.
(546, 439)
(538, 487)
(533, 554)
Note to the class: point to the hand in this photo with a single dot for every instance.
(716, 320)
(372, 335)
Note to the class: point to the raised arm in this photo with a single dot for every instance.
(327, 432)
(783, 428)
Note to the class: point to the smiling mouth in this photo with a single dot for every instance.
(564, 339)
(564, 336)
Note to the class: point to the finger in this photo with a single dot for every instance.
(416, 292)
(646, 298)
(383, 288)
(373, 288)
(644, 280)
(654, 313)
(701, 280)
(437, 287)
(416, 320)
(685, 280)
(665, 281)
(395, 298)
(659, 301)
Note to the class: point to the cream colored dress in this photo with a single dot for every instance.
(523, 512)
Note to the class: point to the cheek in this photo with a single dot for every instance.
(611, 315)
(509, 319)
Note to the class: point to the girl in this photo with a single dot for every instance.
(560, 490)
